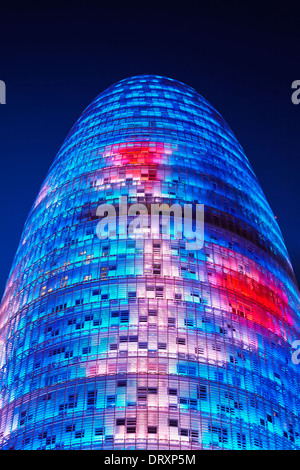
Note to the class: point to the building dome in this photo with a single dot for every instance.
(143, 343)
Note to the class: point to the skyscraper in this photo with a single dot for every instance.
(123, 343)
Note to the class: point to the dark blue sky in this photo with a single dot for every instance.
(56, 59)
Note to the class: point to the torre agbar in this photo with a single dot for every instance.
(131, 342)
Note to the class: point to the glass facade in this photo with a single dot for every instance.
(124, 343)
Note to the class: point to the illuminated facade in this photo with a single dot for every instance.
(143, 344)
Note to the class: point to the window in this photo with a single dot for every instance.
(173, 422)
(120, 422)
(91, 398)
(152, 429)
(180, 341)
(70, 427)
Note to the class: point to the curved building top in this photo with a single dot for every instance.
(178, 129)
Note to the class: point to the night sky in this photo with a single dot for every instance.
(56, 59)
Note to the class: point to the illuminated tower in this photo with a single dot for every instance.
(143, 344)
